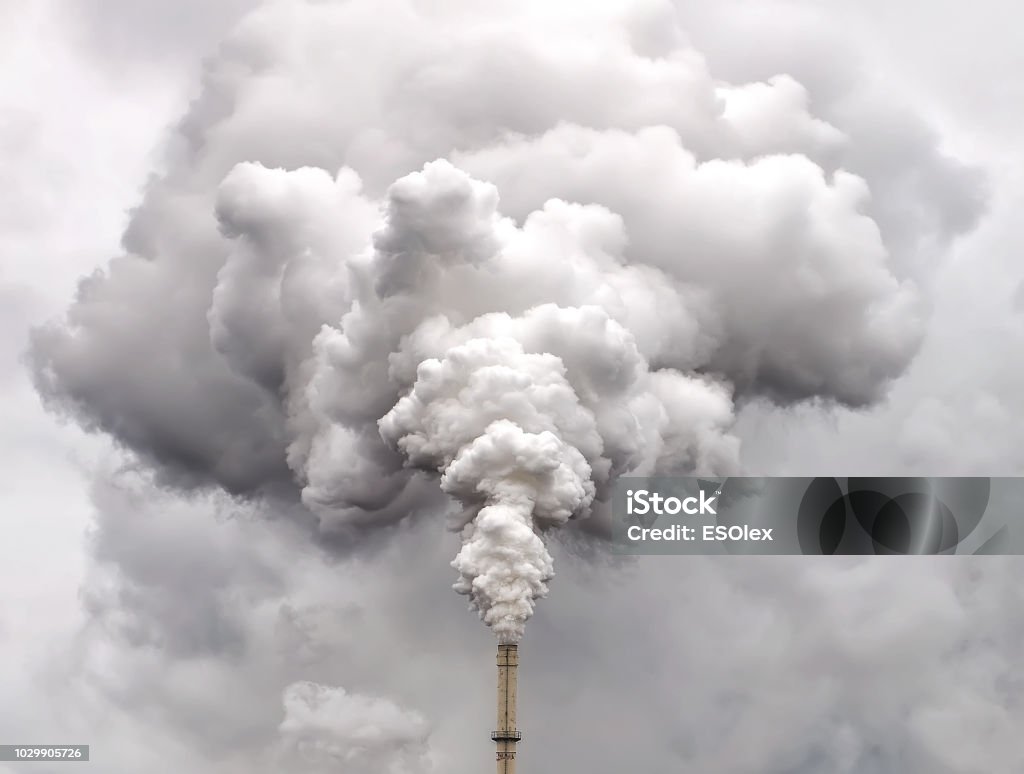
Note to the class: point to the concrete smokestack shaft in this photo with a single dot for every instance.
(507, 736)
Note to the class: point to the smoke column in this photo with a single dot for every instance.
(524, 418)
(339, 284)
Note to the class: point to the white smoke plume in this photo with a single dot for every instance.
(327, 729)
(525, 438)
(526, 250)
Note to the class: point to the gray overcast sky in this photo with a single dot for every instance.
(862, 321)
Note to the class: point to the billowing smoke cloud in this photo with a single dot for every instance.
(526, 417)
(557, 250)
(525, 439)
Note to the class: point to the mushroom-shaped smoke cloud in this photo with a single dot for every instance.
(321, 336)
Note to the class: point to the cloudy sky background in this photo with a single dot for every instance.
(176, 632)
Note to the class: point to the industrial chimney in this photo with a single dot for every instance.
(506, 736)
